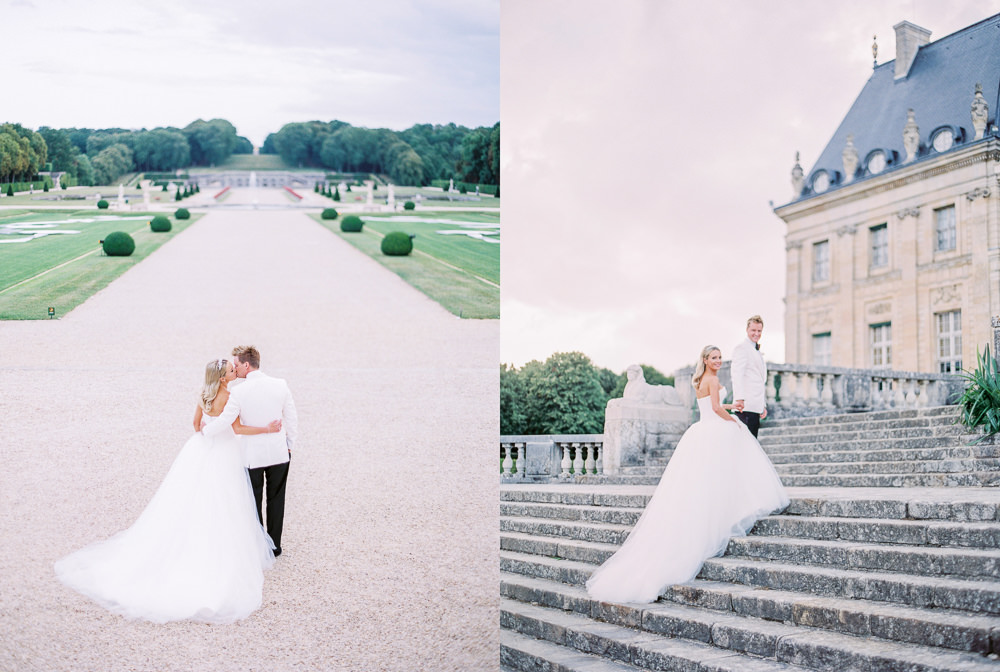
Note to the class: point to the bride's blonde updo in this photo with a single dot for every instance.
(699, 369)
(215, 371)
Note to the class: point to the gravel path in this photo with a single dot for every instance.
(391, 535)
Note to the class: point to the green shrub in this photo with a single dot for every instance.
(10, 189)
(45, 187)
(177, 196)
(980, 403)
(409, 205)
(118, 244)
(329, 213)
(351, 223)
(397, 244)
(336, 193)
(160, 224)
(102, 204)
(182, 213)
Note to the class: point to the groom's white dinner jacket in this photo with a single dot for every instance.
(257, 401)
(749, 376)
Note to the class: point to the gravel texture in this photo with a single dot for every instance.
(391, 535)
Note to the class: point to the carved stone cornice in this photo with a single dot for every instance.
(793, 245)
(878, 184)
(947, 294)
(892, 276)
(847, 229)
(951, 262)
(977, 192)
(908, 212)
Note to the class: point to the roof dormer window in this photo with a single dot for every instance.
(820, 181)
(943, 139)
(876, 162)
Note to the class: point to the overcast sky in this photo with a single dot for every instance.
(257, 63)
(642, 142)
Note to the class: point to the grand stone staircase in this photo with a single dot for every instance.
(881, 579)
(924, 447)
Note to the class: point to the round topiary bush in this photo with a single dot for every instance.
(182, 213)
(409, 205)
(160, 224)
(102, 204)
(397, 244)
(351, 223)
(118, 244)
(329, 213)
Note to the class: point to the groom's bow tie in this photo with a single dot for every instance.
(756, 346)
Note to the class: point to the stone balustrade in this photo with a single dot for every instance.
(550, 457)
(793, 390)
(800, 390)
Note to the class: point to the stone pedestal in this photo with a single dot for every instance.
(633, 429)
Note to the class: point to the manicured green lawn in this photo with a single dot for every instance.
(459, 272)
(63, 270)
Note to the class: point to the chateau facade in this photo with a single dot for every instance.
(893, 237)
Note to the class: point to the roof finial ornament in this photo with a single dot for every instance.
(874, 51)
(911, 136)
(798, 178)
(850, 158)
(980, 112)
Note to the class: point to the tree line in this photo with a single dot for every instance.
(565, 394)
(416, 156)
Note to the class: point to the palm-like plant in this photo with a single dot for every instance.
(981, 400)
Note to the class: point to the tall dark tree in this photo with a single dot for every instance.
(211, 142)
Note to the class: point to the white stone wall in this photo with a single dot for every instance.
(917, 281)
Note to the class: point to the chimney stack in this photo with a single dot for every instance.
(909, 38)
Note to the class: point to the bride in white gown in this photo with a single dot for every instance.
(197, 551)
(717, 484)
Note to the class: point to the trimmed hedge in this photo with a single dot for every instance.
(351, 224)
(160, 224)
(329, 213)
(102, 204)
(409, 205)
(118, 244)
(397, 244)
(182, 213)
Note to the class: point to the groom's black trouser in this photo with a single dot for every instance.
(276, 475)
(751, 420)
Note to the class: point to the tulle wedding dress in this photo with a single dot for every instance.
(196, 552)
(717, 484)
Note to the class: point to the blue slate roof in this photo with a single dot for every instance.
(939, 88)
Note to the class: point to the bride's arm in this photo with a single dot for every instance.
(197, 419)
(245, 430)
(720, 410)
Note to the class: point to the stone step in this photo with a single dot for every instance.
(666, 636)
(632, 646)
(875, 480)
(954, 504)
(596, 514)
(572, 572)
(910, 532)
(859, 433)
(911, 590)
(913, 532)
(521, 653)
(887, 455)
(604, 533)
(935, 413)
(948, 629)
(924, 561)
(890, 467)
(945, 628)
(831, 444)
(592, 553)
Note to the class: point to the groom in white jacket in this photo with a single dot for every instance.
(266, 456)
(750, 377)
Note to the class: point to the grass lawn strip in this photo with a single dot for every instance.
(72, 282)
(457, 291)
(445, 263)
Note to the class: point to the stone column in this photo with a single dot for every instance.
(996, 339)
